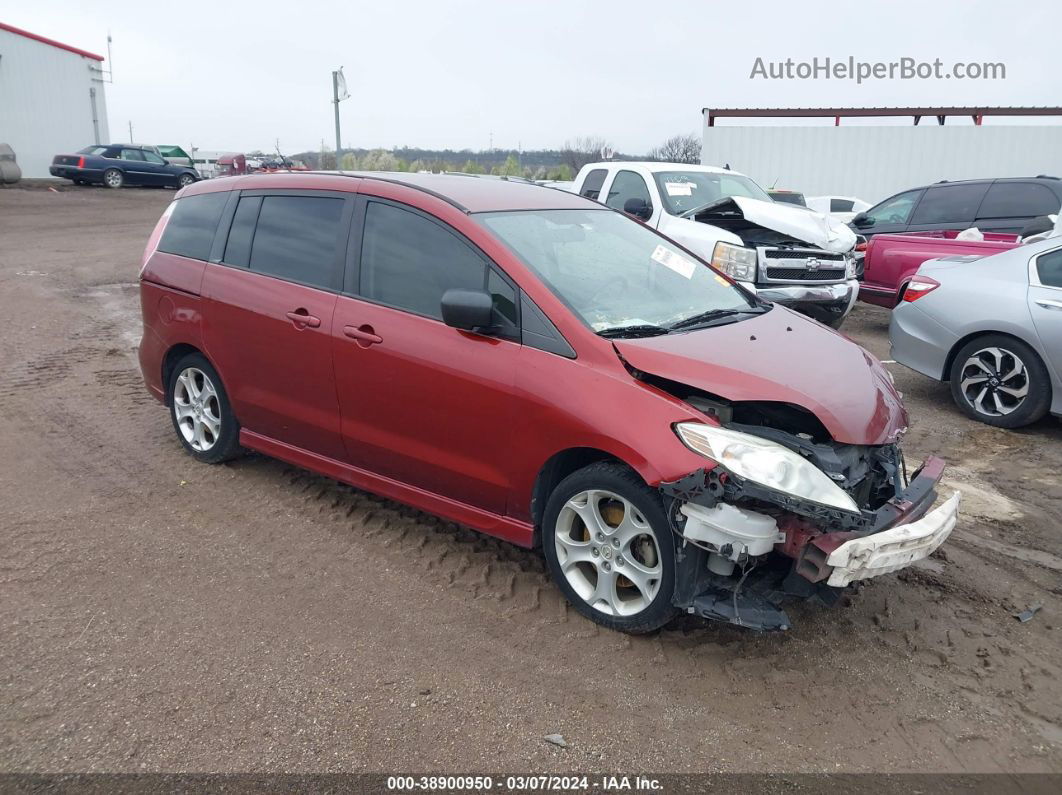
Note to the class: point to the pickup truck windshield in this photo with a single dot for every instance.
(620, 277)
(684, 190)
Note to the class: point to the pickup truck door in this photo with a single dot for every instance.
(625, 185)
(1045, 305)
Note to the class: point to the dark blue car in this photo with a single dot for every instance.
(115, 165)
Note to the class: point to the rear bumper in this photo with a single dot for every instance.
(824, 302)
(919, 342)
(73, 172)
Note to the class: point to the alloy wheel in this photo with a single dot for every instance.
(197, 409)
(994, 381)
(114, 179)
(185, 180)
(608, 553)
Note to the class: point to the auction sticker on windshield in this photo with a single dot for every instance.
(676, 262)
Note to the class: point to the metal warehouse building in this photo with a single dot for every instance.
(51, 99)
(874, 162)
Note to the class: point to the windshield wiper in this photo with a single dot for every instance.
(640, 330)
(710, 315)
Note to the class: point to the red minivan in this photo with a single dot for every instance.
(539, 367)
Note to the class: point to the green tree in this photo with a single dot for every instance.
(511, 168)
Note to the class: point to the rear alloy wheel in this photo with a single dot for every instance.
(1000, 381)
(113, 178)
(185, 180)
(200, 410)
(609, 548)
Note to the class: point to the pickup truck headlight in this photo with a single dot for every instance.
(765, 462)
(737, 262)
(850, 269)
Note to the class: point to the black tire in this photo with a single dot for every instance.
(80, 182)
(185, 180)
(226, 444)
(1037, 398)
(113, 178)
(625, 483)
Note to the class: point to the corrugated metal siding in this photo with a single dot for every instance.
(873, 163)
(45, 107)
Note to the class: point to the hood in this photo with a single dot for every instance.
(783, 357)
(738, 213)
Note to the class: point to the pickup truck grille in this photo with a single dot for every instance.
(804, 275)
(801, 265)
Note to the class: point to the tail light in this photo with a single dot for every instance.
(919, 286)
(81, 162)
(861, 246)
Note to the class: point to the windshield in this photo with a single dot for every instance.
(613, 272)
(685, 190)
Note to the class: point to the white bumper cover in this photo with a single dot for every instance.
(895, 548)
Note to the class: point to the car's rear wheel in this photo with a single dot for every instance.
(1000, 381)
(113, 178)
(185, 180)
(610, 549)
(201, 413)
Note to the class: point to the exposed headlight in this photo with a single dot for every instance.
(849, 266)
(765, 462)
(737, 262)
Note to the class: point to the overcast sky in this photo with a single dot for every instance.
(238, 75)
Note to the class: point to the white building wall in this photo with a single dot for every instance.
(45, 101)
(873, 162)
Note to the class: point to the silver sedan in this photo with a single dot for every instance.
(992, 327)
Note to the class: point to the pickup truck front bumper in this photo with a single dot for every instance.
(827, 303)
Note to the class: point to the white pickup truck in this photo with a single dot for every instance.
(786, 254)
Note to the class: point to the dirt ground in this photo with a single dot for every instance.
(161, 615)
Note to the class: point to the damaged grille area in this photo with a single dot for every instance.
(803, 274)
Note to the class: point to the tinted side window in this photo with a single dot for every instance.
(241, 233)
(408, 261)
(151, 157)
(896, 210)
(593, 182)
(949, 204)
(132, 154)
(841, 205)
(190, 230)
(627, 185)
(1011, 199)
(297, 238)
(1049, 268)
(504, 295)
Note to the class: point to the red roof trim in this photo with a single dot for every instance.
(52, 42)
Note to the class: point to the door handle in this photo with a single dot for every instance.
(365, 335)
(1049, 303)
(300, 317)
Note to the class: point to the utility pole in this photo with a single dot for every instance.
(130, 132)
(338, 81)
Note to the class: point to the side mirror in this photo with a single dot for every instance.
(468, 310)
(639, 208)
(862, 219)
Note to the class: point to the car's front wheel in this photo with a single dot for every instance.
(610, 549)
(202, 416)
(185, 180)
(1000, 381)
(113, 178)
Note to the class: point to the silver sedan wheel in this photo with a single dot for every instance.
(197, 409)
(113, 178)
(994, 381)
(608, 553)
(185, 180)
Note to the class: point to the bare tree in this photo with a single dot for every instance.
(678, 149)
(578, 152)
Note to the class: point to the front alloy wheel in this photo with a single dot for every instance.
(609, 548)
(185, 180)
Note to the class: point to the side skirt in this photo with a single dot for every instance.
(504, 527)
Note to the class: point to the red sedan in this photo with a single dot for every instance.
(534, 365)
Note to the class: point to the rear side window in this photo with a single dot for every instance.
(191, 228)
(949, 204)
(1049, 268)
(841, 205)
(1016, 199)
(297, 239)
(408, 262)
(241, 233)
(592, 184)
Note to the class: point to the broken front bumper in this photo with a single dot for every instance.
(891, 550)
(824, 302)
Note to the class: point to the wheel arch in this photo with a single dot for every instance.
(169, 362)
(958, 346)
(556, 468)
